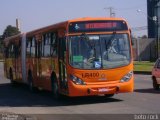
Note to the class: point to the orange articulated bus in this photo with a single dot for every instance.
(79, 57)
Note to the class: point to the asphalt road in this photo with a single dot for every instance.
(20, 100)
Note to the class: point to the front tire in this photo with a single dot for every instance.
(155, 85)
(30, 82)
(109, 95)
(55, 89)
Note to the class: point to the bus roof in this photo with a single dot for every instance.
(62, 25)
(65, 23)
(47, 28)
(95, 19)
(12, 38)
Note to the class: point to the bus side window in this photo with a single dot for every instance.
(46, 45)
(6, 52)
(11, 51)
(33, 50)
(15, 51)
(28, 46)
(19, 48)
(53, 44)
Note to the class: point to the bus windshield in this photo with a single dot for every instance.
(99, 51)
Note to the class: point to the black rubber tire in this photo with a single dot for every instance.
(109, 95)
(55, 89)
(155, 85)
(30, 82)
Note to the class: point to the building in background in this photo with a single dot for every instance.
(153, 12)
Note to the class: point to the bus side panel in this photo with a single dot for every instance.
(11, 65)
(5, 69)
(8, 65)
(46, 73)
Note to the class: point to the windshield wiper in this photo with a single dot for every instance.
(84, 36)
(110, 41)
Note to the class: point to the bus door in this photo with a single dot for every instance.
(44, 62)
(62, 63)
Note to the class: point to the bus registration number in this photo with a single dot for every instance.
(103, 90)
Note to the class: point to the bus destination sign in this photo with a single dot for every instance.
(100, 25)
(97, 26)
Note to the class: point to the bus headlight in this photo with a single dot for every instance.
(127, 77)
(77, 80)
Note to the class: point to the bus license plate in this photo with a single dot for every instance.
(102, 90)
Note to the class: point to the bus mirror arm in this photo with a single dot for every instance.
(132, 42)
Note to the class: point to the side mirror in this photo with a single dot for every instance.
(132, 38)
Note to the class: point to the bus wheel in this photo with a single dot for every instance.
(55, 90)
(30, 82)
(109, 95)
(155, 85)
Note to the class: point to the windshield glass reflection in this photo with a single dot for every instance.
(99, 51)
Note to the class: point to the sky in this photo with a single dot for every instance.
(34, 14)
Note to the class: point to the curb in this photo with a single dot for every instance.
(143, 72)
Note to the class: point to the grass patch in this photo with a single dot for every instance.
(143, 66)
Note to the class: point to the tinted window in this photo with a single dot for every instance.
(49, 45)
(30, 47)
(99, 51)
(158, 64)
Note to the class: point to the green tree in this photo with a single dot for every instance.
(10, 31)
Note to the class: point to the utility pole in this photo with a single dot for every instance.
(111, 11)
(18, 24)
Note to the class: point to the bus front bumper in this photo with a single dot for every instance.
(106, 88)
